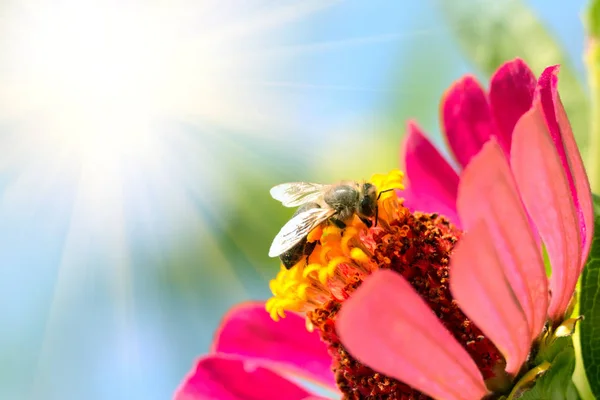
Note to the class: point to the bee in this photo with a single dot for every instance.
(336, 203)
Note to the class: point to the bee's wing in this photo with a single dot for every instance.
(294, 194)
(298, 228)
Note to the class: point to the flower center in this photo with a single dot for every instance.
(417, 246)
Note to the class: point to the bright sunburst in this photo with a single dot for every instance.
(97, 76)
(94, 96)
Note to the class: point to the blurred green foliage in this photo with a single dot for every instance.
(590, 308)
(592, 19)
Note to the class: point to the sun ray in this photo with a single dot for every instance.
(301, 85)
(332, 45)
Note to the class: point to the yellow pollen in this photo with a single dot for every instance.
(349, 237)
(359, 255)
(302, 291)
(339, 257)
(310, 269)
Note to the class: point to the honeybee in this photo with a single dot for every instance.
(337, 203)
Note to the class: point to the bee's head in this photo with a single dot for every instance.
(367, 206)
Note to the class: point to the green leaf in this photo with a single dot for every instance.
(557, 382)
(492, 32)
(590, 309)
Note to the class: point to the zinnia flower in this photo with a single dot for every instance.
(415, 308)
(497, 273)
(469, 118)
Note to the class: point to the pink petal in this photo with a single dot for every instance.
(480, 286)
(425, 203)
(545, 190)
(582, 184)
(467, 119)
(432, 181)
(388, 327)
(219, 378)
(511, 95)
(248, 331)
(562, 135)
(488, 191)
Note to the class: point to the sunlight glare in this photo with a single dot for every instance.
(96, 78)
(99, 72)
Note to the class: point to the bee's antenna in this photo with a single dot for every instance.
(384, 191)
(377, 204)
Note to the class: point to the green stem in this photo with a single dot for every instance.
(528, 380)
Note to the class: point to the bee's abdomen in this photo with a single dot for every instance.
(294, 255)
(302, 248)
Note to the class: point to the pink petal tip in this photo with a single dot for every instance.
(249, 332)
(432, 182)
(467, 119)
(220, 378)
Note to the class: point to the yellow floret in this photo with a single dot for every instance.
(384, 182)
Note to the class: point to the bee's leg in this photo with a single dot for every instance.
(308, 249)
(368, 222)
(377, 205)
(338, 223)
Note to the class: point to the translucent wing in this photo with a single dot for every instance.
(298, 228)
(294, 194)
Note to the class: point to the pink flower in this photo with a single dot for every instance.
(469, 117)
(391, 315)
(253, 357)
(497, 273)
